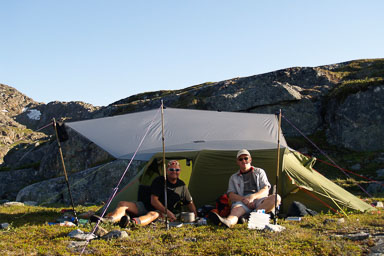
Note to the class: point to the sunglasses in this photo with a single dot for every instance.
(243, 158)
(173, 169)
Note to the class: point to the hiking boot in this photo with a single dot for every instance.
(217, 219)
(96, 218)
(125, 221)
(242, 220)
(212, 217)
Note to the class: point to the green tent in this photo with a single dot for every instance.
(207, 173)
(206, 143)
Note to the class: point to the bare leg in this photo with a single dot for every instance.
(122, 208)
(125, 207)
(235, 214)
(269, 203)
(148, 218)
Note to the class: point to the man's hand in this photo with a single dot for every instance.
(171, 216)
(260, 194)
(160, 207)
(248, 202)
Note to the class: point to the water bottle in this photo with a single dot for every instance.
(202, 221)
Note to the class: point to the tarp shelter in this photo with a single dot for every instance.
(206, 143)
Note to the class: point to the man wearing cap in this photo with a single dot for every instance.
(248, 190)
(145, 213)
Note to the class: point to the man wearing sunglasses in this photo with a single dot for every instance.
(146, 212)
(248, 190)
(177, 192)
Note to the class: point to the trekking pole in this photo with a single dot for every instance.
(65, 172)
(277, 169)
(164, 170)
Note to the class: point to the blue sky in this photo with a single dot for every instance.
(103, 51)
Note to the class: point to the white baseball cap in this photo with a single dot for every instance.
(173, 162)
(243, 152)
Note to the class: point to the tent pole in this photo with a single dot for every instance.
(277, 168)
(65, 172)
(164, 168)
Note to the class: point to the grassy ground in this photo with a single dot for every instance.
(30, 234)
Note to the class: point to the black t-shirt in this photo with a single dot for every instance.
(176, 193)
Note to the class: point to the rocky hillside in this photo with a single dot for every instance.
(12, 104)
(343, 103)
(343, 100)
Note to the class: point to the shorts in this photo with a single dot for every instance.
(246, 208)
(141, 208)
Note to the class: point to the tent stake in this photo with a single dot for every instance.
(277, 168)
(164, 168)
(65, 172)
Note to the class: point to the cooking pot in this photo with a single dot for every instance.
(187, 217)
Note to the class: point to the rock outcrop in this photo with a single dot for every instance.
(357, 121)
(92, 185)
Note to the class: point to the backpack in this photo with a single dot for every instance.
(223, 205)
(300, 210)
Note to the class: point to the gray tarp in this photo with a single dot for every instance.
(184, 130)
(210, 139)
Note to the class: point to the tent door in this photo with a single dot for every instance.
(186, 166)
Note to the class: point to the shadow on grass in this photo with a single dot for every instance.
(30, 217)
